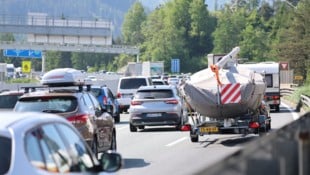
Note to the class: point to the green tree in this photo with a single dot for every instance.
(229, 26)
(295, 40)
(131, 29)
(52, 60)
(179, 29)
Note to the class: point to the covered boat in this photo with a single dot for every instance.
(224, 90)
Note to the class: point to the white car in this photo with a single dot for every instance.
(42, 143)
(127, 86)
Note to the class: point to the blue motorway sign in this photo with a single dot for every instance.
(22, 53)
(175, 65)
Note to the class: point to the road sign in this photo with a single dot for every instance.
(175, 65)
(284, 66)
(26, 66)
(22, 53)
(298, 77)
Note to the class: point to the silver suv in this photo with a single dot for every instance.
(157, 106)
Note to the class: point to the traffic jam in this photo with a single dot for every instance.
(67, 124)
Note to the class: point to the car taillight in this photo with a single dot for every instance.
(254, 125)
(174, 101)
(275, 97)
(119, 95)
(105, 100)
(133, 102)
(78, 119)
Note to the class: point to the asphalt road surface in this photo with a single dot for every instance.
(164, 150)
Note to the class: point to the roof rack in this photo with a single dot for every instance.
(28, 89)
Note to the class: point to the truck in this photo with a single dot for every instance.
(10, 70)
(225, 97)
(271, 72)
(147, 68)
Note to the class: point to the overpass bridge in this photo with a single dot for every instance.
(51, 34)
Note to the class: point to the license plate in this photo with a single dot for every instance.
(209, 129)
(153, 115)
(127, 95)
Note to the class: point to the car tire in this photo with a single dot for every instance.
(94, 146)
(113, 142)
(117, 118)
(132, 128)
(194, 136)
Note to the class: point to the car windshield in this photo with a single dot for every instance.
(132, 83)
(154, 94)
(5, 154)
(96, 91)
(47, 104)
(8, 101)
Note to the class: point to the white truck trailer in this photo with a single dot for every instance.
(271, 72)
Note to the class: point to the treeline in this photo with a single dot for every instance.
(185, 29)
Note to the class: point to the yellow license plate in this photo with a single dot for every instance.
(209, 129)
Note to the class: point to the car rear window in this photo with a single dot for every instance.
(58, 104)
(132, 83)
(5, 154)
(154, 94)
(8, 101)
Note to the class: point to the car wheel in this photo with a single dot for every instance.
(194, 136)
(113, 142)
(132, 128)
(179, 126)
(277, 108)
(117, 118)
(94, 147)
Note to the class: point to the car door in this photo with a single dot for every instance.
(113, 101)
(105, 124)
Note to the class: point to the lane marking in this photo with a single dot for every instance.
(177, 141)
(295, 115)
(121, 128)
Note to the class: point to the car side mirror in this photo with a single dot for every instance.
(111, 161)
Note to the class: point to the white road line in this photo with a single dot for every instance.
(177, 141)
(121, 128)
(295, 115)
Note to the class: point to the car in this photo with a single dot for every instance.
(66, 97)
(159, 82)
(42, 143)
(107, 100)
(173, 81)
(9, 98)
(157, 106)
(92, 78)
(127, 86)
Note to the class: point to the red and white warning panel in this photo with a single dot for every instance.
(230, 93)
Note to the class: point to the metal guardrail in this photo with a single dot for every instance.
(304, 100)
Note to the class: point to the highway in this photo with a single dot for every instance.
(163, 150)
